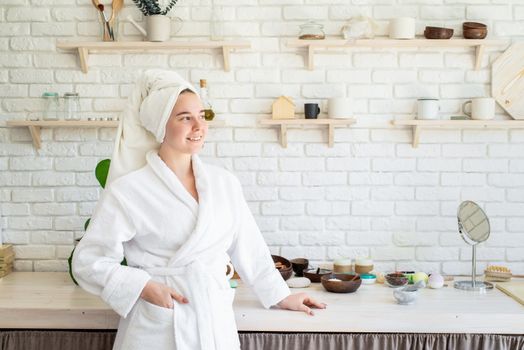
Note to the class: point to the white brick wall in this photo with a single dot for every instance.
(372, 193)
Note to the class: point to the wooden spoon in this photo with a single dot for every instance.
(95, 4)
(116, 6)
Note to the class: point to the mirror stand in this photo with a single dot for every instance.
(473, 284)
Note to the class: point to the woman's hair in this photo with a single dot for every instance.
(186, 91)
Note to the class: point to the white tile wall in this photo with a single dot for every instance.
(372, 193)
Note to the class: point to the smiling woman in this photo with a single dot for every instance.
(178, 222)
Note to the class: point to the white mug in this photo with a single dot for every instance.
(402, 28)
(428, 108)
(482, 108)
(340, 107)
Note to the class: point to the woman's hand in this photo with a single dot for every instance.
(161, 295)
(300, 302)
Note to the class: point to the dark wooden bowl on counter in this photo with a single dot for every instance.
(396, 279)
(314, 276)
(286, 270)
(347, 284)
(438, 33)
(299, 265)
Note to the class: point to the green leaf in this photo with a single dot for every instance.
(70, 263)
(101, 171)
(87, 224)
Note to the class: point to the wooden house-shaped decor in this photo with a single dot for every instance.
(283, 108)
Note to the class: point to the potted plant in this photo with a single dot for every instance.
(158, 24)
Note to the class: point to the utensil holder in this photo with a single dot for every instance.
(108, 29)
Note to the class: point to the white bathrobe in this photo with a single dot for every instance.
(151, 219)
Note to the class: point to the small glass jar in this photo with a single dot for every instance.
(51, 105)
(312, 30)
(71, 106)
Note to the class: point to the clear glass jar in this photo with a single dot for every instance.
(312, 30)
(71, 106)
(51, 105)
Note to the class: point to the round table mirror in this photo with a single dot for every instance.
(473, 225)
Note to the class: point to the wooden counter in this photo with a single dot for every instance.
(49, 300)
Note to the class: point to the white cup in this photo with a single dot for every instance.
(340, 107)
(482, 108)
(402, 28)
(428, 108)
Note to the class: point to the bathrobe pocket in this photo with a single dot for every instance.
(152, 327)
(224, 325)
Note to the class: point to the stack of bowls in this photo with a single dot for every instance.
(438, 33)
(474, 30)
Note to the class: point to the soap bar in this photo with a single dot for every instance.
(298, 282)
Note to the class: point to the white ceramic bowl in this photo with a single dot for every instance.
(405, 297)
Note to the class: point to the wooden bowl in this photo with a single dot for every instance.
(299, 265)
(474, 33)
(347, 284)
(467, 25)
(438, 33)
(396, 280)
(286, 271)
(314, 276)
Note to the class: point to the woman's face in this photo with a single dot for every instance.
(186, 128)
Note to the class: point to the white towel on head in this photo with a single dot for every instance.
(143, 123)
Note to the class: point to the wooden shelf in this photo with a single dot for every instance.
(315, 45)
(35, 126)
(418, 125)
(285, 123)
(85, 48)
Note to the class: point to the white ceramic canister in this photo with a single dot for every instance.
(402, 28)
(340, 107)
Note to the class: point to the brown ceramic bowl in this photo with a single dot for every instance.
(438, 33)
(347, 284)
(396, 279)
(314, 276)
(299, 265)
(468, 25)
(286, 271)
(474, 33)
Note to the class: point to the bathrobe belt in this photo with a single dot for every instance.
(198, 281)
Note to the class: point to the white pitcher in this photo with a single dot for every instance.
(158, 27)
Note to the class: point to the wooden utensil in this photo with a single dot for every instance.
(116, 6)
(106, 21)
(95, 3)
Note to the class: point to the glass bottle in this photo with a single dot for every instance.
(71, 106)
(51, 105)
(208, 109)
